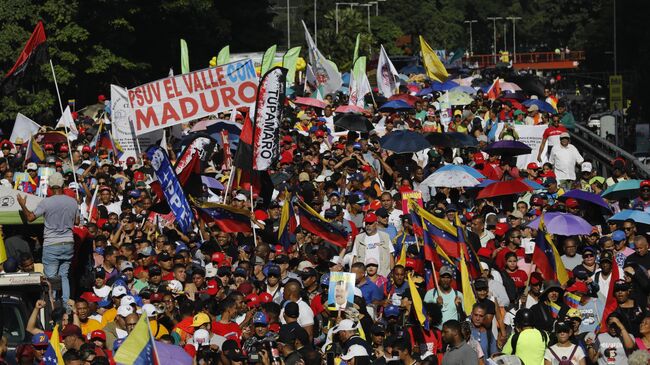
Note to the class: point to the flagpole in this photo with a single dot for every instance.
(153, 340)
(58, 94)
(253, 214)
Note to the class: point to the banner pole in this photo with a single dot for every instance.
(253, 214)
(58, 94)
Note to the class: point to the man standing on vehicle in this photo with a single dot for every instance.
(61, 213)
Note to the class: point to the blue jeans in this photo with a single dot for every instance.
(56, 262)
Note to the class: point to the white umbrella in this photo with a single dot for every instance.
(509, 86)
(450, 179)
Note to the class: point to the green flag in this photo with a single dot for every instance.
(267, 59)
(185, 58)
(359, 68)
(289, 62)
(356, 49)
(224, 56)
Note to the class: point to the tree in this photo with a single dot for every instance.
(339, 47)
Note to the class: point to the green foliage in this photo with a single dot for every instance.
(340, 47)
(385, 31)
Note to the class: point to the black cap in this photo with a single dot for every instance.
(155, 270)
(232, 351)
(292, 310)
(100, 272)
(164, 256)
(287, 334)
(223, 271)
(378, 329)
(480, 284)
(621, 285)
(381, 212)
(281, 259)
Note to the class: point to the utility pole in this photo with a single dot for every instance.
(615, 60)
(471, 46)
(315, 25)
(288, 26)
(367, 6)
(514, 35)
(494, 27)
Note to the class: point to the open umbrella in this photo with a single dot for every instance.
(541, 104)
(212, 183)
(585, 196)
(502, 188)
(461, 139)
(470, 170)
(407, 98)
(350, 109)
(623, 189)
(564, 224)
(404, 141)
(439, 139)
(52, 137)
(354, 122)
(172, 354)
(639, 217)
(509, 148)
(395, 105)
(509, 86)
(456, 98)
(465, 89)
(451, 178)
(534, 185)
(443, 86)
(310, 102)
(412, 69)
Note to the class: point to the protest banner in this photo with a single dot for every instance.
(341, 290)
(268, 116)
(174, 100)
(531, 135)
(122, 126)
(408, 195)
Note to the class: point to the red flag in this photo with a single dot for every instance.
(610, 304)
(33, 51)
(244, 155)
(494, 91)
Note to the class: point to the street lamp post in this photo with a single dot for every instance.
(367, 6)
(471, 47)
(336, 12)
(514, 39)
(288, 27)
(315, 25)
(615, 68)
(494, 27)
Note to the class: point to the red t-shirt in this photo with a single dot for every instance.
(500, 259)
(230, 331)
(519, 277)
(169, 276)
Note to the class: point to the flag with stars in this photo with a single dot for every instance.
(138, 348)
(228, 219)
(321, 227)
(52, 355)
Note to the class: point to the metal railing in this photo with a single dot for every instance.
(486, 60)
(605, 151)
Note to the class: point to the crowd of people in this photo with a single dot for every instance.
(243, 297)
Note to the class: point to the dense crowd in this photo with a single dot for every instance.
(228, 297)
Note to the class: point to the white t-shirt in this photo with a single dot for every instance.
(373, 251)
(395, 220)
(305, 314)
(563, 353)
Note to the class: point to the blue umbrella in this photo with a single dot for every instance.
(395, 105)
(403, 141)
(485, 183)
(444, 86)
(623, 189)
(638, 216)
(541, 104)
(470, 170)
(425, 91)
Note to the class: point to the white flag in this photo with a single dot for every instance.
(163, 141)
(358, 90)
(67, 121)
(386, 74)
(24, 128)
(326, 74)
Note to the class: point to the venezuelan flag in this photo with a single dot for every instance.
(469, 299)
(474, 266)
(555, 309)
(52, 355)
(417, 302)
(323, 228)
(138, 348)
(547, 257)
(287, 222)
(34, 152)
(104, 139)
(572, 300)
(227, 218)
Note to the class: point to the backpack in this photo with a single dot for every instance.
(567, 361)
(509, 285)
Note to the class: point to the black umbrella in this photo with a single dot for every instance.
(531, 84)
(439, 139)
(354, 122)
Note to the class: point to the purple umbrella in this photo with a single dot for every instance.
(564, 224)
(510, 148)
(172, 354)
(586, 197)
(212, 182)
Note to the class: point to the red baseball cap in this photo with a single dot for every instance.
(411, 263)
(578, 287)
(252, 300)
(86, 149)
(370, 218)
(218, 257)
(478, 158)
(63, 148)
(533, 166)
(319, 133)
(212, 287)
(366, 168)
(644, 183)
(265, 298)
(98, 334)
(571, 203)
(90, 297)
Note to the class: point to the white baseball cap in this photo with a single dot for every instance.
(586, 167)
(354, 351)
(344, 325)
(118, 291)
(32, 166)
(127, 300)
(240, 196)
(201, 337)
(175, 287)
(124, 310)
(150, 309)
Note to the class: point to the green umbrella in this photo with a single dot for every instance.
(456, 98)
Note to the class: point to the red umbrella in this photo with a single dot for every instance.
(515, 104)
(350, 109)
(52, 137)
(310, 102)
(407, 98)
(501, 188)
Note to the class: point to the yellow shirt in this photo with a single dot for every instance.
(109, 316)
(89, 326)
(158, 330)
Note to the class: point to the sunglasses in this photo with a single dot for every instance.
(588, 255)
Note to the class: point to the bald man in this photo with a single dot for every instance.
(306, 315)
